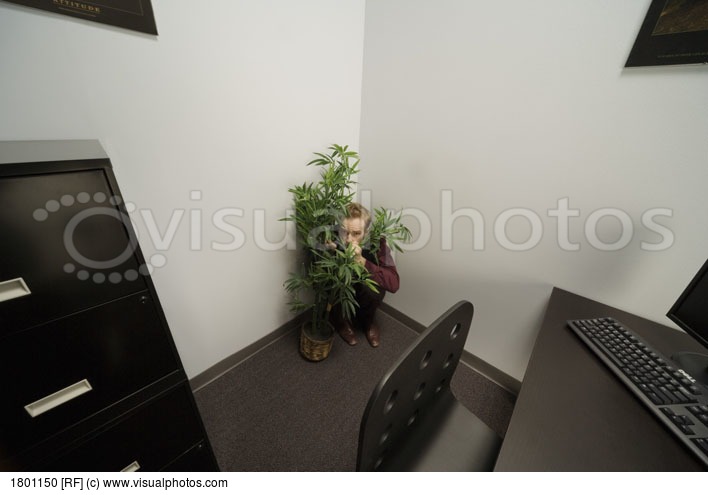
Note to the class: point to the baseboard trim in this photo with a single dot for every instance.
(508, 383)
(403, 318)
(224, 366)
(492, 373)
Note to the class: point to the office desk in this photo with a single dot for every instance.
(573, 414)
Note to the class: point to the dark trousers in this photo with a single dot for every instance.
(369, 301)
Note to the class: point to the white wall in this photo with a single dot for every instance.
(519, 104)
(228, 100)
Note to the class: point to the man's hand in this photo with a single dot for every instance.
(357, 254)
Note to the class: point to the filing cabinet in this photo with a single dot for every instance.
(89, 373)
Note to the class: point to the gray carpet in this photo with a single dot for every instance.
(278, 412)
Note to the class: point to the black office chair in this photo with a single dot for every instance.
(413, 422)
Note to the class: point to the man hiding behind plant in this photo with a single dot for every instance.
(377, 260)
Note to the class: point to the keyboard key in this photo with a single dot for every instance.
(688, 396)
(682, 420)
(686, 430)
(658, 392)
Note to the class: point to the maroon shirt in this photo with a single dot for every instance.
(384, 273)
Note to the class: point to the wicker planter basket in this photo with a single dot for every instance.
(314, 349)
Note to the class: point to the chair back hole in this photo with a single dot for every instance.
(419, 392)
(390, 402)
(448, 361)
(426, 359)
(440, 386)
(412, 419)
(385, 434)
(455, 331)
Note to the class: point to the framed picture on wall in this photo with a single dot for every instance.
(130, 14)
(674, 32)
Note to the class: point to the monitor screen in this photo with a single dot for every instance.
(690, 312)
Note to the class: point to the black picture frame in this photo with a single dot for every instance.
(674, 32)
(136, 15)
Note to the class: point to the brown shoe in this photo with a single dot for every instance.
(347, 333)
(373, 335)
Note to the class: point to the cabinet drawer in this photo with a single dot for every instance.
(67, 242)
(105, 353)
(146, 439)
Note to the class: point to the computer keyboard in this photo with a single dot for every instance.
(674, 397)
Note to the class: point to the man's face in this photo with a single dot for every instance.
(352, 230)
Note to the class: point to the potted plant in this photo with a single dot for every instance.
(328, 274)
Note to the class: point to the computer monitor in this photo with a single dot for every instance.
(690, 312)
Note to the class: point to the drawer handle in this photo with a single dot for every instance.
(12, 289)
(131, 468)
(58, 398)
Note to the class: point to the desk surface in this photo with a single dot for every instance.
(573, 414)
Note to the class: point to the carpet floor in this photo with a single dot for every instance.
(276, 411)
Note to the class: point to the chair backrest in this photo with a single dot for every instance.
(417, 381)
